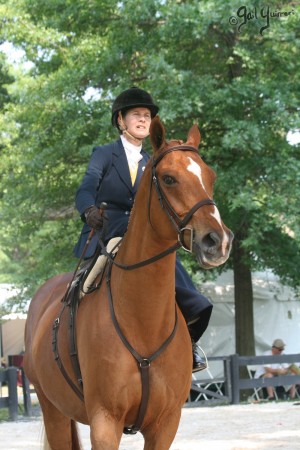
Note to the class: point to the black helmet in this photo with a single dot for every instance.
(133, 97)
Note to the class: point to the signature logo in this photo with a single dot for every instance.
(263, 15)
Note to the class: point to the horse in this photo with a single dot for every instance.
(134, 349)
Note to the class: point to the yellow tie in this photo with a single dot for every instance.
(133, 173)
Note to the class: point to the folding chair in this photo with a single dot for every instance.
(258, 391)
(206, 386)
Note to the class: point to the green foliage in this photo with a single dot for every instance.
(241, 87)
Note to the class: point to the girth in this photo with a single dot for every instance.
(72, 307)
(71, 301)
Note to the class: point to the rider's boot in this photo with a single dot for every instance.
(199, 363)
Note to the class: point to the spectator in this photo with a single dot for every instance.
(276, 369)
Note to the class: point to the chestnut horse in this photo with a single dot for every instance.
(132, 322)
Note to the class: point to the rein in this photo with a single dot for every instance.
(166, 252)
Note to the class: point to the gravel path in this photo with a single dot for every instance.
(265, 426)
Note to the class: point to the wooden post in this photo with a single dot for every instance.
(228, 380)
(235, 379)
(12, 375)
(26, 395)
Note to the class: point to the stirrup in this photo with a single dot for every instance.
(204, 362)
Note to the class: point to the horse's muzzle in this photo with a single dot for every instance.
(213, 249)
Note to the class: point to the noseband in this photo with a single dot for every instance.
(178, 224)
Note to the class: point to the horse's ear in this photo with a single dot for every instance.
(157, 133)
(194, 136)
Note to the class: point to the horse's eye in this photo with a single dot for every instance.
(167, 179)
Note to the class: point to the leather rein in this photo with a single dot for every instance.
(143, 362)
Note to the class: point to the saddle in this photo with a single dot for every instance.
(85, 278)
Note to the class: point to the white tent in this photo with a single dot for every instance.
(11, 328)
(12, 335)
(276, 314)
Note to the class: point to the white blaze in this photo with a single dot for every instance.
(225, 238)
(216, 215)
(196, 170)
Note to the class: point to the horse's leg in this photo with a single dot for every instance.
(61, 431)
(106, 433)
(162, 435)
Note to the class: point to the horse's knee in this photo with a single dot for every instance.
(105, 434)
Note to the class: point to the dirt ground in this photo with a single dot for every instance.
(265, 426)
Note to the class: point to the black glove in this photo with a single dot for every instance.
(93, 217)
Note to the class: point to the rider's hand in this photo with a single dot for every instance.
(93, 217)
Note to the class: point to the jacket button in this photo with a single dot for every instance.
(126, 212)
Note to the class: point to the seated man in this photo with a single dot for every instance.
(276, 369)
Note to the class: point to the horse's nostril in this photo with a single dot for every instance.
(211, 242)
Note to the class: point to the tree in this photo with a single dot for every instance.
(240, 85)
(5, 79)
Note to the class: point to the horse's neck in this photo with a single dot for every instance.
(156, 279)
(145, 295)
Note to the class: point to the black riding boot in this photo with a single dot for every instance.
(199, 363)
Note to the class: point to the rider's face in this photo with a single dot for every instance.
(137, 122)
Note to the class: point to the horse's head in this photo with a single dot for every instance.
(184, 184)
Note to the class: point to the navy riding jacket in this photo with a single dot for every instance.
(107, 179)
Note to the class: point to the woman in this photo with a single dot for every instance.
(113, 177)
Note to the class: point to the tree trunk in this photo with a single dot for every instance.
(243, 297)
(243, 293)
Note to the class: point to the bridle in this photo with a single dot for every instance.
(180, 225)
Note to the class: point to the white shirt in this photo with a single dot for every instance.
(261, 369)
(133, 152)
